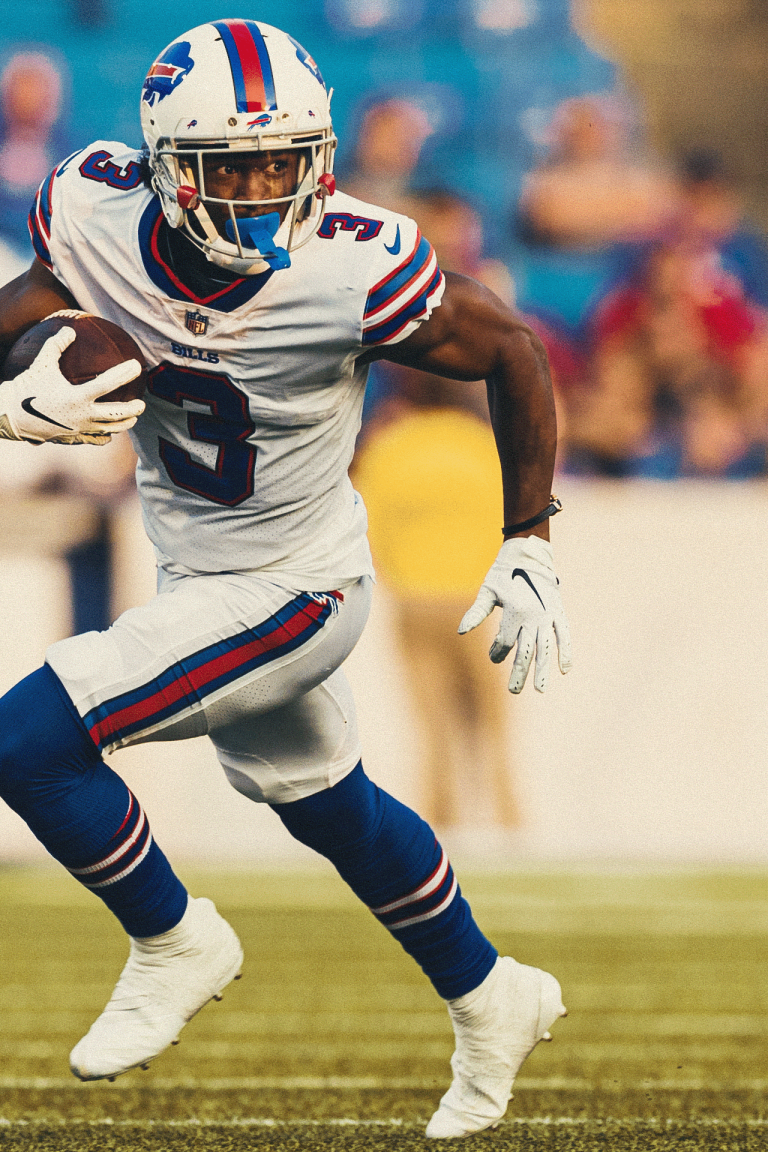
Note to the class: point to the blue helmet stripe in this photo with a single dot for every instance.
(264, 60)
(249, 63)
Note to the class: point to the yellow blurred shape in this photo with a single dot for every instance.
(432, 485)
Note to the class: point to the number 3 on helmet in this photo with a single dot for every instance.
(239, 86)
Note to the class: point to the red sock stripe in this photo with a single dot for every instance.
(430, 885)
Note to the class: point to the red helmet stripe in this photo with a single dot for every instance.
(250, 64)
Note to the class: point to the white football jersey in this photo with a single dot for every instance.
(255, 393)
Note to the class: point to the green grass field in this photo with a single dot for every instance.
(334, 1040)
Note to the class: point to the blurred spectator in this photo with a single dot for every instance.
(91, 13)
(101, 480)
(391, 137)
(429, 474)
(712, 213)
(591, 191)
(455, 231)
(31, 141)
(679, 383)
(31, 137)
(586, 215)
(430, 479)
(368, 17)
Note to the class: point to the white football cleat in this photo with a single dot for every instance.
(497, 1025)
(167, 979)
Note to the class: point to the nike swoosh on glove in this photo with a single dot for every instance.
(40, 404)
(522, 582)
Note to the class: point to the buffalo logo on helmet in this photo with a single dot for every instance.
(196, 323)
(260, 121)
(305, 59)
(167, 72)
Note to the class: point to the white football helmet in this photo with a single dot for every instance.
(238, 85)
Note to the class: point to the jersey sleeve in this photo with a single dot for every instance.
(69, 193)
(405, 295)
(39, 220)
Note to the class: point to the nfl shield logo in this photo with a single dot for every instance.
(197, 323)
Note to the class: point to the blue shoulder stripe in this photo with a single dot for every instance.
(39, 239)
(393, 324)
(38, 243)
(46, 206)
(389, 287)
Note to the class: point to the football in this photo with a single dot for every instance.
(99, 344)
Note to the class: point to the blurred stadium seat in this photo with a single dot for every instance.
(488, 61)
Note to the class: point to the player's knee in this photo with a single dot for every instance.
(382, 848)
(355, 819)
(337, 817)
(40, 734)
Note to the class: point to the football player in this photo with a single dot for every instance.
(259, 297)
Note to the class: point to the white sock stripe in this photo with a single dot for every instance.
(427, 915)
(126, 871)
(117, 854)
(430, 886)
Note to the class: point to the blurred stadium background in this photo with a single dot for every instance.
(654, 747)
(603, 164)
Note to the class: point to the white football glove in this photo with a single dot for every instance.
(41, 405)
(523, 584)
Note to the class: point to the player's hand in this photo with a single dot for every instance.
(523, 584)
(41, 405)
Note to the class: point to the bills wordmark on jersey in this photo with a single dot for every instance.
(194, 353)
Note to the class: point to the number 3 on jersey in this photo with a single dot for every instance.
(227, 424)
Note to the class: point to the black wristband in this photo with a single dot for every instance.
(551, 509)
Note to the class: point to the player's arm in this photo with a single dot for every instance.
(40, 404)
(473, 336)
(27, 300)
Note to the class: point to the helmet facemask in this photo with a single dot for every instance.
(250, 244)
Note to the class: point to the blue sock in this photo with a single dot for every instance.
(390, 858)
(52, 775)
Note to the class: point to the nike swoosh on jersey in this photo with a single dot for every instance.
(27, 406)
(396, 246)
(529, 582)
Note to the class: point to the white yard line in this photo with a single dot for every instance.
(346, 1122)
(374, 1083)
